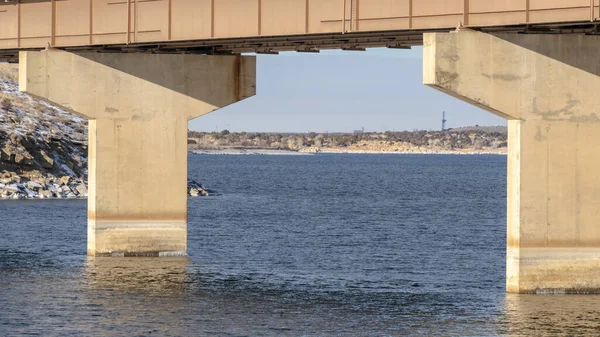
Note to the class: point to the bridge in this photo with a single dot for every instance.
(140, 69)
(270, 26)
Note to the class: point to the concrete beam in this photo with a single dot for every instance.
(139, 107)
(545, 85)
(517, 76)
(109, 86)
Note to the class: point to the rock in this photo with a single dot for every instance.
(194, 192)
(82, 189)
(46, 194)
(71, 195)
(31, 194)
(46, 160)
(65, 180)
(18, 159)
(196, 189)
(33, 185)
(12, 188)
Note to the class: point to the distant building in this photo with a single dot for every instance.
(362, 130)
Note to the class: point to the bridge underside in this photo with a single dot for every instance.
(310, 43)
(270, 26)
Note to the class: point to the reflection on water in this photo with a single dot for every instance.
(214, 304)
(552, 315)
(163, 276)
(135, 296)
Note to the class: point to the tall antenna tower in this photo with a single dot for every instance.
(444, 121)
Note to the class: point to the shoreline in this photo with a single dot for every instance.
(248, 152)
(49, 187)
(301, 152)
(433, 152)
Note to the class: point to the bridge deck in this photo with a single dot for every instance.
(235, 26)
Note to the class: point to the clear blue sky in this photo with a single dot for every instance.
(342, 91)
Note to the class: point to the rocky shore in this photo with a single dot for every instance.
(13, 186)
(48, 186)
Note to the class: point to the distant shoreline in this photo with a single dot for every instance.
(238, 151)
(254, 151)
(476, 140)
(460, 153)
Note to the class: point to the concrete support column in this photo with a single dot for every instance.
(138, 186)
(547, 87)
(139, 106)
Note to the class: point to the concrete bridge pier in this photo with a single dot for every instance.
(547, 87)
(139, 106)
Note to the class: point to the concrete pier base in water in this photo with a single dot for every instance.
(139, 106)
(547, 87)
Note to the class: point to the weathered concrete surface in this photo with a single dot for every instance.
(546, 86)
(139, 106)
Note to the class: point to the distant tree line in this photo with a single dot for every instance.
(447, 140)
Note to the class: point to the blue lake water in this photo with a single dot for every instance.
(341, 245)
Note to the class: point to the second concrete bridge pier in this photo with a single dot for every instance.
(138, 106)
(547, 88)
